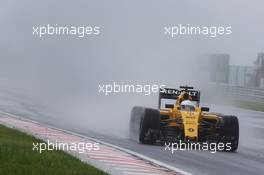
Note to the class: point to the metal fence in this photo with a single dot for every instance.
(244, 76)
(241, 93)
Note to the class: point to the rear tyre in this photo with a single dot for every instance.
(230, 133)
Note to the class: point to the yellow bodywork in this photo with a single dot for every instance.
(189, 120)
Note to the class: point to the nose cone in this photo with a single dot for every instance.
(190, 122)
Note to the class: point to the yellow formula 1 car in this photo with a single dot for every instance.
(180, 118)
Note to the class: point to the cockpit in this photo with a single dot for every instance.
(187, 105)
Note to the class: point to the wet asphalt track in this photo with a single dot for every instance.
(249, 159)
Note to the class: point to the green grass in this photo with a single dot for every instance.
(257, 106)
(18, 158)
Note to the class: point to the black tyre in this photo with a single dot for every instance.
(230, 132)
(134, 124)
(143, 124)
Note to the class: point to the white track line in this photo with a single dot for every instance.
(135, 173)
(133, 169)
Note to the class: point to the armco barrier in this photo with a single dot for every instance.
(238, 92)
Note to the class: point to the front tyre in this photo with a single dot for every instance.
(230, 133)
(143, 124)
(150, 122)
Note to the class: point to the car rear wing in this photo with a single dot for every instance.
(169, 93)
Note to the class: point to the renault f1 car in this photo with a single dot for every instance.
(180, 118)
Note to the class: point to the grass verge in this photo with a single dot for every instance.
(18, 158)
(257, 106)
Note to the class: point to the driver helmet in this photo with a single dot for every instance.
(187, 105)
